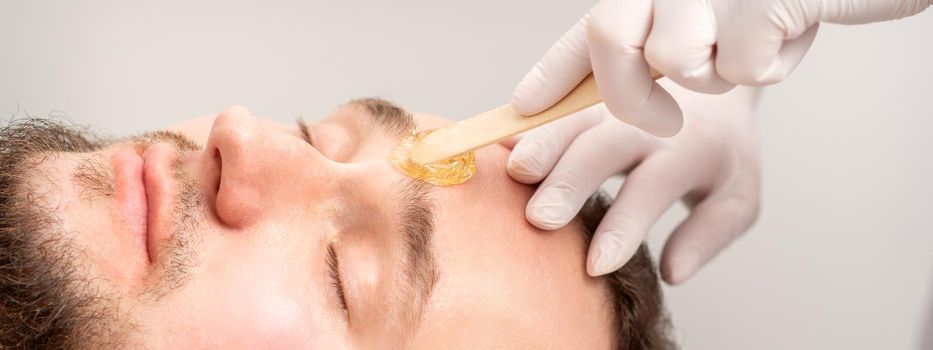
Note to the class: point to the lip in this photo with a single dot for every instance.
(143, 185)
(129, 185)
(159, 175)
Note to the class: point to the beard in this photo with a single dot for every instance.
(46, 299)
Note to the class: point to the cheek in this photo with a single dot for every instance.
(259, 316)
(247, 309)
(248, 297)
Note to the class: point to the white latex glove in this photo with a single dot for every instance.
(704, 45)
(712, 164)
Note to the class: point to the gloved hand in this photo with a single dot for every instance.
(712, 164)
(704, 45)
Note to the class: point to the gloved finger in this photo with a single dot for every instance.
(711, 226)
(860, 12)
(763, 44)
(563, 66)
(647, 193)
(681, 45)
(608, 148)
(617, 32)
(535, 154)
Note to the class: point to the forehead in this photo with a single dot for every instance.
(503, 278)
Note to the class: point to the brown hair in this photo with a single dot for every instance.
(635, 291)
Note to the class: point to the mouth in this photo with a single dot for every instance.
(143, 187)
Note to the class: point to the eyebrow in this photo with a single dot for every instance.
(416, 216)
(419, 269)
(395, 121)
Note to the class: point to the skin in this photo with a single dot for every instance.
(260, 278)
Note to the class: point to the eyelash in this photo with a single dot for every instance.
(305, 133)
(333, 271)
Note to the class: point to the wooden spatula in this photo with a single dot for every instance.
(500, 123)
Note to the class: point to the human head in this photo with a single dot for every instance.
(258, 239)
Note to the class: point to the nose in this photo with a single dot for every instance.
(256, 169)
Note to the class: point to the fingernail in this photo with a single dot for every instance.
(606, 257)
(523, 164)
(685, 266)
(696, 72)
(550, 210)
(774, 74)
(595, 256)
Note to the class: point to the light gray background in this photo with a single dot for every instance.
(842, 256)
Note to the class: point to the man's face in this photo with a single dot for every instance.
(260, 240)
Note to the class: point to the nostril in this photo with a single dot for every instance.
(220, 165)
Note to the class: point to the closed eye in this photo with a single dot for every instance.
(333, 271)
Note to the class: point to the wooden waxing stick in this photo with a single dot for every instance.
(499, 123)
